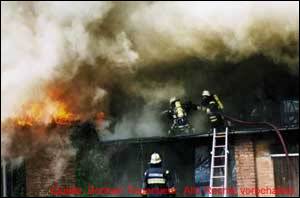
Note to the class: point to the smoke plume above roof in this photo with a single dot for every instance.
(119, 57)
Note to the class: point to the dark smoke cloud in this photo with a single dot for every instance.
(128, 58)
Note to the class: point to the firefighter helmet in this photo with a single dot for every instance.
(155, 158)
(173, 99)
(205, 93)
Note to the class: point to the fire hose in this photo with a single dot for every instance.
(274, 128)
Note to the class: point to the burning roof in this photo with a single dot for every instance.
(119, 62)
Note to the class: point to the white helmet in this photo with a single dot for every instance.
(205, 93)
(155, 158)
(173, 99)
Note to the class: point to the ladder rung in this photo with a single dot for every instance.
(219, 156)
(219, 176)
(223, 166)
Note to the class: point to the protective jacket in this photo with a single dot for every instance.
(213, 108)
(157, 182)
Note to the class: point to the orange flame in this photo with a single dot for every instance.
(100, 118)
(44, 113)
(62, 116)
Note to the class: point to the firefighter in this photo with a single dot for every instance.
(213, 107)
(157, 182)
(178, 112)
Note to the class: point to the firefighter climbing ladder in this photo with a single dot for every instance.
(219, 161)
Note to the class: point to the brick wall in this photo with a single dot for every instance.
(40, 175)
(245, 165)
(264, 168)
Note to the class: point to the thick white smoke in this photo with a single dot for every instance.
(146, 124)
(230, 31)
(93, 46)
(39, 38)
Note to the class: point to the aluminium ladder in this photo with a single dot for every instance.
(219, 159)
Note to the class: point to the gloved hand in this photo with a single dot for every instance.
(201, 108)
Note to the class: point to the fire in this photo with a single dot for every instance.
(46, 112)
(26, 121)
(100, 116)
(62, 116)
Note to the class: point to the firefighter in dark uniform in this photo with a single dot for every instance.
(157, 182)
(213, 107)
(178, 113)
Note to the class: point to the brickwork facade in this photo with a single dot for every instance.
(264, 168)
(245, 165)
(40, 175)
